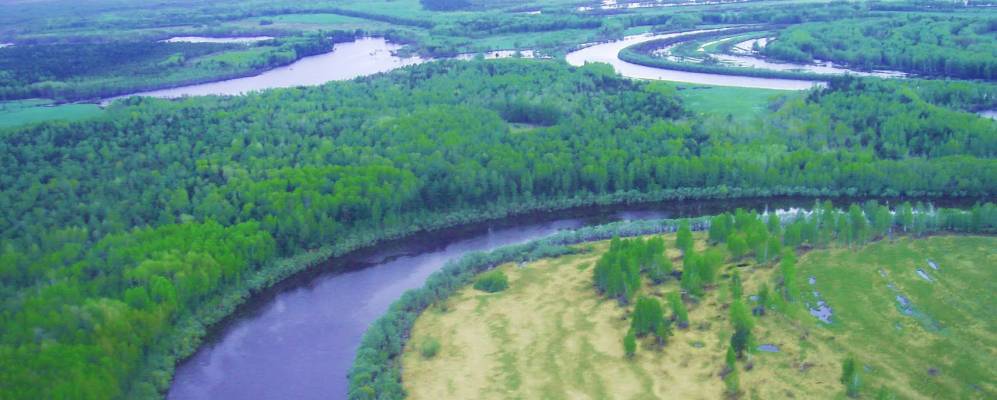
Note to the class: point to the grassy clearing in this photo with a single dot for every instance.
(549, 335)
(737, 102)
(20, 112)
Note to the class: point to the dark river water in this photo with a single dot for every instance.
(298, 339)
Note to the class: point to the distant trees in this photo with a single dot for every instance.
(958, 47)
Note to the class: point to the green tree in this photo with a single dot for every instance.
(736, 246)
(720, 227)
(787, 268)
(736, 290)
(683, 238)
(679, 313)
(630, 344)
(850, 377)
(647, 316)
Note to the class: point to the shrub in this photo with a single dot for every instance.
(492, 281)
(630, 344)
(429, 347)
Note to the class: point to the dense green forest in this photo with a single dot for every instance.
(119, 231)
(933, 45)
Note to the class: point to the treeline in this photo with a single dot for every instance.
(95, 70)
(296, 171)
(957, 47)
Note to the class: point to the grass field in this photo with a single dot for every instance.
(551, 336)
(20, 112)
(738, 102)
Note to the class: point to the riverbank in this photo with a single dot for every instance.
(185, 340)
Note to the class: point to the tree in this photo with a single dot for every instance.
(788, 269)
(692, 277)
(763, 300)
(736, 246)
(663, 332)
(647, 316)
(850, 377)
(660, 268)
(683, 238)
(742, 323)
(720, 227)
(905, 216)
(736, 291)
(732, 383)
(774, 225)
(679, 313)
(630, 344)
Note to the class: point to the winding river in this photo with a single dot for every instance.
(364, 56)
(298, 339)
(371, 55)
(609, 53)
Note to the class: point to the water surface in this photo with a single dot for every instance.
(609, 53)
(365, 56)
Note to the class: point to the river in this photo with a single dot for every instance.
(371, 55)
(364, 56)
(298, 339)
(609, 53)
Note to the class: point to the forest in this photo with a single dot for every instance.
(158, 210)
(929, 45)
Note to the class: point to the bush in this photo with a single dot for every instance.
(630, 344)
(429, 347)
(492, 281)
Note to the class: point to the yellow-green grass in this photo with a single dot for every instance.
(721, 100)
(21, 112)
(550, 335)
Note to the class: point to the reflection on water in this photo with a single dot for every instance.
(362, 57)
